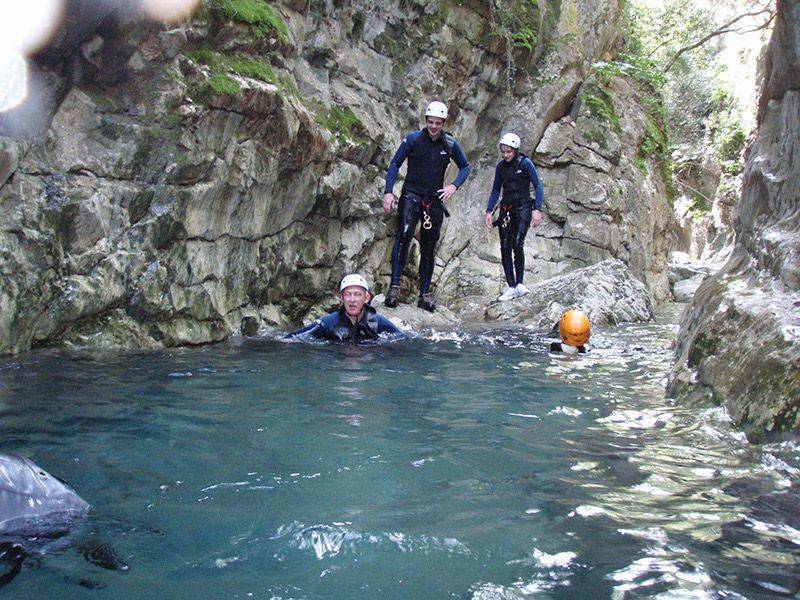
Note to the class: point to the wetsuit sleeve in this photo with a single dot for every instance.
(495, 195)
(397, 161)
(461, 162)
(386, 326)
(316, 330)
(530, 169)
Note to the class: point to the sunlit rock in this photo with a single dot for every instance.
(684, 290)
(607, 292)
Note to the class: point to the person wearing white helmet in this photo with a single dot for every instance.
(429, 152)
(355, 321)
(514, 175)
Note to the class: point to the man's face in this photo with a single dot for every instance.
(354, 297)
(434, 125)
(507, 152)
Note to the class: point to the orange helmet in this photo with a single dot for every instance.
(574, 328)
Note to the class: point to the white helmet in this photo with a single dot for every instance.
(353, 279)
(436, 109)
(511, 140)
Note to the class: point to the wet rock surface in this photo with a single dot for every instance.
(739, 343)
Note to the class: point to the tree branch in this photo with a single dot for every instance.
(722, 30)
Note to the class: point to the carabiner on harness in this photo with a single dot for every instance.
(426, 214)
(507, 216)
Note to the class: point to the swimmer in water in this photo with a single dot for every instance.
(355, 321)
(574, 329)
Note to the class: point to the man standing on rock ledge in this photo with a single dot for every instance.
(429, 152)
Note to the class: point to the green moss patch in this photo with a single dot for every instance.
(221, 66)
(241, 65)
(600, 105)
(342, 122)
(222, 85)
(262, 18)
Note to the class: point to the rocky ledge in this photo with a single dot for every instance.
(607, 292)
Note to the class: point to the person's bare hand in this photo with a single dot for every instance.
(447, 192)
(488, 220)
(537, 217)
(388, 202)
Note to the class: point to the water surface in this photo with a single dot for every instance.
(462, 465)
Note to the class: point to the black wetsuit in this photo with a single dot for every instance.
(337, 327)
(516, 211)
(427, 162)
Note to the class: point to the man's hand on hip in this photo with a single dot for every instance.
(447, 193)
(388, 202)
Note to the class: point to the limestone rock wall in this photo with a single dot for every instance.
(739, 342)
(186, 178)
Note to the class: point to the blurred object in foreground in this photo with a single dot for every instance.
(13, 79)
(28, 26)
(169, 11)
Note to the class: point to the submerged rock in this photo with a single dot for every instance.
(739, 343)
(607, 292)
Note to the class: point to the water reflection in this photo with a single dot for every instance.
(690, 493)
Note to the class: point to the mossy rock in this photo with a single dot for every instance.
(600, 105)
(222, 65)
(260, 17)
(342, 122)
(527, 24)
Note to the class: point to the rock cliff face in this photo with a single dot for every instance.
(740, 339)
(179, 180)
